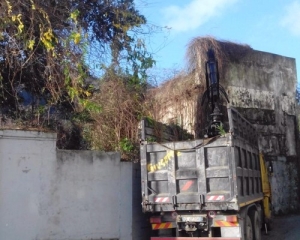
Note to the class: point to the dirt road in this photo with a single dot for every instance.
(284, 228)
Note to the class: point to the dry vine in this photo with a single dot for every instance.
(115, 127)
(180, 97)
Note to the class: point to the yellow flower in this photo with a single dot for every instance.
(31, 44)
(77, 38)
(87, 93)
(9, 7)
(32, 5)
(21, 27)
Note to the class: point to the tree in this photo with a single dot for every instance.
(44, 47)
(46, 51)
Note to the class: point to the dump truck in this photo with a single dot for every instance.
(216, 187)
(211, 188)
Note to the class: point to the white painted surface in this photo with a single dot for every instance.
(49, 194)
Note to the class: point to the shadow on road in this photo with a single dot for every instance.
(284, 228)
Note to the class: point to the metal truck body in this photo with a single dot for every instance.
(208, 188)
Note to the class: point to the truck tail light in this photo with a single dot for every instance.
(231, 218)
(156, 219)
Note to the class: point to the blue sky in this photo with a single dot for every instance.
(266, 25)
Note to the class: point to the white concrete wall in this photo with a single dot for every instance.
(26, 160)
(49, 194)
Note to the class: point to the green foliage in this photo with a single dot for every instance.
(221, 130)
(151, 139)
(140, 61)
(126, 145)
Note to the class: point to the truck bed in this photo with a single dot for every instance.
(220, 173)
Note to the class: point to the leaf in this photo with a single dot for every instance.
(77, 38)
(87, 93)
(9, 7)
(31, 44)
(20, 27)
(74, 15)
(48, 39)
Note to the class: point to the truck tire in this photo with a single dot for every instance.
(269, 226)
(256, 223)
(181, 233)
(268, 222)
(185, 234)
(248, 229)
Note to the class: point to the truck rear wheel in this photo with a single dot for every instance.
(181, 233)
(248, 229)
(256, 223)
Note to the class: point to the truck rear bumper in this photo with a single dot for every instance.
(194, 238)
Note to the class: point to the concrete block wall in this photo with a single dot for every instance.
(262, 86)
(284, 199)
(50, 194)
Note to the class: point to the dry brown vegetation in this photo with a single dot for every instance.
(115, 127)
(179, 99)
(178, 95)
(225, 52)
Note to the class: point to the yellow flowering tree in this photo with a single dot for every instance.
(49, 48)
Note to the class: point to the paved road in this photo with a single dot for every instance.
(284, 228)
